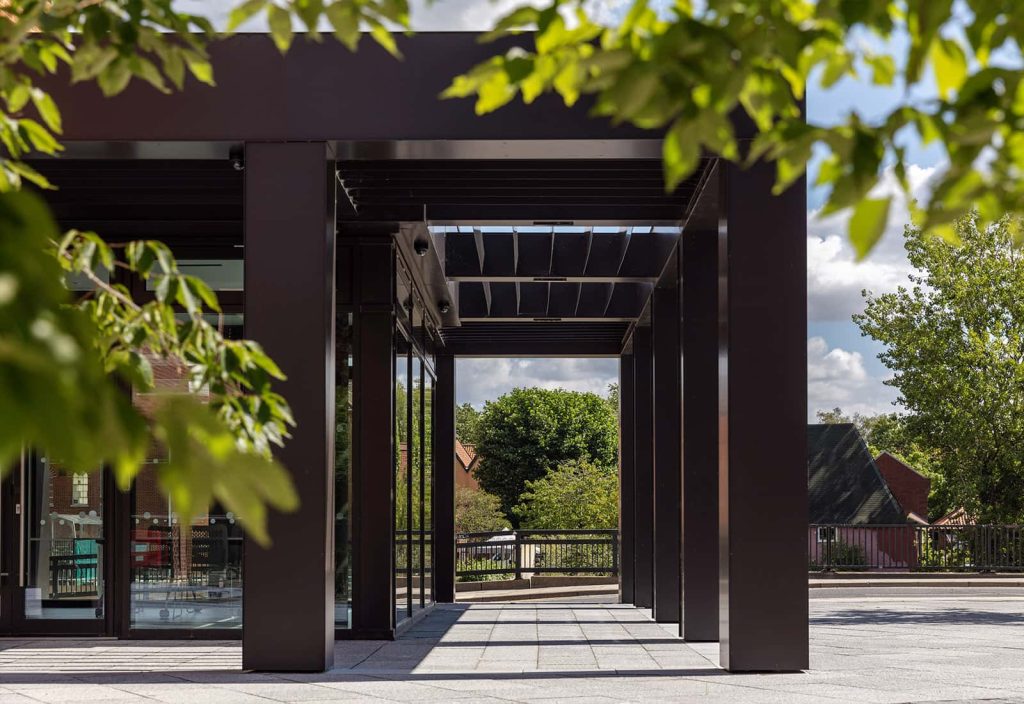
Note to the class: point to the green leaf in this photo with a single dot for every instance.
(280, 21)
(243, 12)
(950, 65)
(680, 153)
(868, 223)
(47, 109)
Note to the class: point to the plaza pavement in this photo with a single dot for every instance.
(866, 646)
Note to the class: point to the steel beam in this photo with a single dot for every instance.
(699, 294)
(373, 593)
(444, 480)
(627, 498)
(288, 599)
(763, 416)
(665, 322)
(643, 467)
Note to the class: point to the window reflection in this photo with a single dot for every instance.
(343, 473)
(64, 542)
(182, 577)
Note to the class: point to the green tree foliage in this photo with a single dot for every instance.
(528, 432)
(954, 340)
(467, 424)
(578, 494)
(477, 511)
(613, 398)
(64, 364)
(686, 67)
(895, 433)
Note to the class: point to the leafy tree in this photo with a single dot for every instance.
(528, 432)
(477, 511)
(578, 494)
(64, 363)
(688, 67)
(467, 424)
(954, 340)
(613, 398)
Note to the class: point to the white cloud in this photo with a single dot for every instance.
(837, 377)
(835, 278)
(479, 380)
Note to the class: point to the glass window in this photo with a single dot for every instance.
(64, 543)
(415, 489)
(218, 274)
(181, 579)
(343, 474)
(80, 489)
(428, 489)
(402, 470)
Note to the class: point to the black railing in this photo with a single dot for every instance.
(515, 553)
(74, 575)
(970, 548)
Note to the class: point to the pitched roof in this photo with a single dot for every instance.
(466, 455)
(844, 485)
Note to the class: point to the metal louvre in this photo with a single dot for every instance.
(180, 202)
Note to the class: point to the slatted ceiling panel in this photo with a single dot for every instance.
(500, 254)
(534, 254)
(562, 300)
(504, 300)
(606, 251)
(533, 300)
(570, 189)
(472, 300)
(627, 300)
(182, 202)
(461, 257)
(593, 300)
(570, 253)
(644, 249)
(547, 335)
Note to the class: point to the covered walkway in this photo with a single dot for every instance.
(867, 647)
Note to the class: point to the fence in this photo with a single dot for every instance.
(537, 551)
(975, 548)
(74, 575)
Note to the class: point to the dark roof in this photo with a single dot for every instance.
(844, 485)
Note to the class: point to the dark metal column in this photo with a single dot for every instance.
(444, 480)
(627, 500)
(289, 308)
(373, 525)
(763, 418)
(667, 447)
(699, 293)
(643, 469)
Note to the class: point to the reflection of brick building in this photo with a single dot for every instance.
(466, 460)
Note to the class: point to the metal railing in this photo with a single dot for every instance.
(520, 552)
(973, 548)
(74, 575)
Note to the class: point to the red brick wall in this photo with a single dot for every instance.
(463, 478)
(909, 487)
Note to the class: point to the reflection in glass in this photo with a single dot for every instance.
(427, 534)
(415, 488)
(343, 474)
(401, 478)
(64, 542)
(182, 579)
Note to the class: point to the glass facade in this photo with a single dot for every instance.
(64, 542)
(414, 406)
(343, 471)
(181, 577)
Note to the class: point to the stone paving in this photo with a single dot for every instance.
(863, 649)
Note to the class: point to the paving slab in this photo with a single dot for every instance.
(881, 650)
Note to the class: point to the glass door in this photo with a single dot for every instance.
(62, 566)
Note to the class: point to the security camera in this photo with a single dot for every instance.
(444, 307)
(421, 247)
